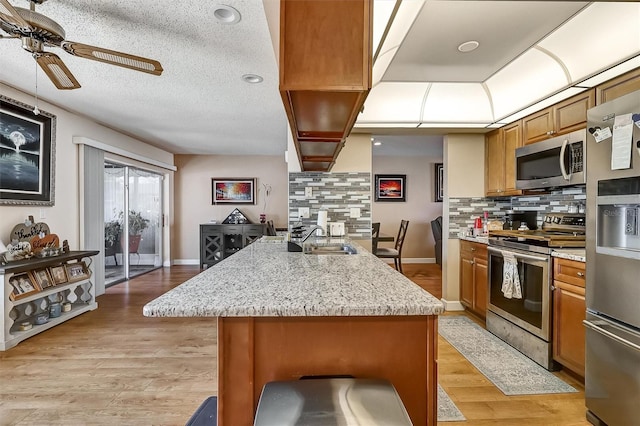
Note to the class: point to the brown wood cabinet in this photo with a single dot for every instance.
(473, 277)
(559, 119)
(619, 86)
(325, 73)
(500, 160)
(569, 310)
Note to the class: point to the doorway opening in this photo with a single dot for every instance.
(133, 222)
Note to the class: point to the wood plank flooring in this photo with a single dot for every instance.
(113, 366)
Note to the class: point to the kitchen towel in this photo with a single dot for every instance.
(510, 279)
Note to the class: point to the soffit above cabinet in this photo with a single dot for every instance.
(325, 73)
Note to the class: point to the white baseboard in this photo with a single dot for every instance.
(186, 261)
(166, 263)
(452, 305)
(413, 260)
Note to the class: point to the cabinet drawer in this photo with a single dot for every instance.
(232, 229)
(471, 249)
(253, 229)
(569, 271)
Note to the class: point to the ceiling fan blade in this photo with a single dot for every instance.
(57, 71)
(113, 57)
(11, 16)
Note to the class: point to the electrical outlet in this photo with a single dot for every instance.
(354, 212)
(308, 191)
(303, 212)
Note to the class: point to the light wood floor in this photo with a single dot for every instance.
(113, 366)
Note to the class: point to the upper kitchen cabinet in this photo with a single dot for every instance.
(619, 86)
(325, 73)
(563, 117)
(500, 160)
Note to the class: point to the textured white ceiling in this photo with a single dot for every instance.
(199, 105)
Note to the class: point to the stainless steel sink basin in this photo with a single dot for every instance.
(330, 249)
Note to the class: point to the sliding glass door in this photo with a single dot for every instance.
(133, 222)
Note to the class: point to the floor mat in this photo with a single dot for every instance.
(447, 410)
(511, 371)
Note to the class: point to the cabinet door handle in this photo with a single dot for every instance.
(580, 274)
(473, 249)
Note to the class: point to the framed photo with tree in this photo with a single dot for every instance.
(233, 191)
(27, 148)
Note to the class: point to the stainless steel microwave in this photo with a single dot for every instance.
(556, 162)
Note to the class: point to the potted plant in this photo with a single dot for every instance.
(137, 224)
(112, 231)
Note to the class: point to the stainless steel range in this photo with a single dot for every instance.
(525, 322)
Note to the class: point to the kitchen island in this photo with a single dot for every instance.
(282, 315)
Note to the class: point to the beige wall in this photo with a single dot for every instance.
(63, 218)
(464, 177)
(193, 195)
(419, 209)
(355, 156)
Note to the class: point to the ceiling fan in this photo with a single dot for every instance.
(38, 31)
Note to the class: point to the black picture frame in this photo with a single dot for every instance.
(391, 188)
(233, 190)
(438, 178)
(27, 144)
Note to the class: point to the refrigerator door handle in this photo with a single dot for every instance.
(596, 328)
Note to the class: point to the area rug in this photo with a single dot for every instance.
(447, 410)
(511, 371)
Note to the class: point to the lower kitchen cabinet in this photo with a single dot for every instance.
(218, 241)
(473, 277)
(569, 309)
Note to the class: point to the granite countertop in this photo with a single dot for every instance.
(264, 280)
(577, 254)
(479, 239)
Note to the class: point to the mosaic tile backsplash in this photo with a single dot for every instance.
(463, 211)
(337, 193)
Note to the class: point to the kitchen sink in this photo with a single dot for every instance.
(330, 249)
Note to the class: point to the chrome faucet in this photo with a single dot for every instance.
(311, 232)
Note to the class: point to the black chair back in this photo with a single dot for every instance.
(402, 232)
(375, 233)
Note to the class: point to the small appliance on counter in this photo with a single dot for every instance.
(514, 219)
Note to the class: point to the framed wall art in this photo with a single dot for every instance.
(42, 277)
(58, 274)
(233, 190)
(438, 178)
(391, 188)
(27, 154)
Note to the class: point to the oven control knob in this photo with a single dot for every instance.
(547, 219)
(557, 219)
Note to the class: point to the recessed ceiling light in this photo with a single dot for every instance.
(252, 78)
(226, 14)
(468, 46)
(377, 143)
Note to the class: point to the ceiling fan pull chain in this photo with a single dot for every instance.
(36, 111)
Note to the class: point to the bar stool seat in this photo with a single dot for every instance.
(333, 401)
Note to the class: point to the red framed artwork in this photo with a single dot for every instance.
(391, 188)
(233, 190)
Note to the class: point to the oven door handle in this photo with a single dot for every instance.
(520, 255)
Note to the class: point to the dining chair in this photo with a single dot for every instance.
(396, 252)
(375, 233)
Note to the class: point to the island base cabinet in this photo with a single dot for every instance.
(255, 351)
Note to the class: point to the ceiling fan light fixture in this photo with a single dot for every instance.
(226, 14)
(252, 78)
(468, 46)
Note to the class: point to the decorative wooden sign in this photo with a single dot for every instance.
(48, 241)
(18, 251)
(29, 229)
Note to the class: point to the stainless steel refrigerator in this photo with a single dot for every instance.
(612, 376)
